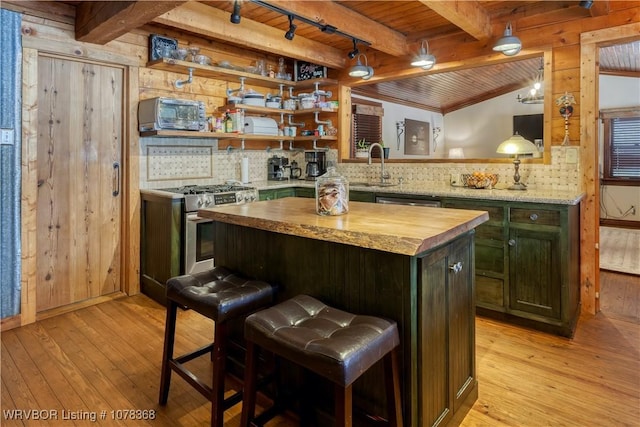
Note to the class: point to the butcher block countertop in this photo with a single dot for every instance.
(406, 230)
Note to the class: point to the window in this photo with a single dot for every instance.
(621, 151)
(367, 123)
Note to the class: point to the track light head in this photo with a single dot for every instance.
(292, 29)
(235, 15)
(586, 4)
(355, 50)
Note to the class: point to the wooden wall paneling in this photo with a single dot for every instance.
(29, 191)
(46, 38)
(344, 122)
(566, 58)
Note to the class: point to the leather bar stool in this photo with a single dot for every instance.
(220, 295)
(337, 345)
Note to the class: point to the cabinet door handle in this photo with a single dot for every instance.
(116, 172)
(456, 267)
(512, 242)
(533, 216)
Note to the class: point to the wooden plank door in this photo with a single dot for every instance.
(78, 209)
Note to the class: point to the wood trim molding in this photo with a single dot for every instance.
(589, 103)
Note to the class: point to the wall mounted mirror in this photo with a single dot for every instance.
(470, 108)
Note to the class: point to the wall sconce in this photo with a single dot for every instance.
(508, 44)
(291, 32)
(566, 102)
(515, 146)
(424, 58)
(359, 70)
(235, 15)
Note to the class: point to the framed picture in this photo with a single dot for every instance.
(158, 43)
(306, 70)
(416, 137)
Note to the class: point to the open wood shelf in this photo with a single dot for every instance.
(220, 73)
(266, 110)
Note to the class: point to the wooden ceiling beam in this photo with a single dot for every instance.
(381, 37)
(100, 22)
(467, 15)
(211, 22)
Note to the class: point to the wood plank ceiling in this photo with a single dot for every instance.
(395, 30)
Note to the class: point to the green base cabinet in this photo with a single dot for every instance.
(527, 263)
(276, 193)
(430, 296)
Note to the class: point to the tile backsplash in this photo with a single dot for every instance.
(165, 162)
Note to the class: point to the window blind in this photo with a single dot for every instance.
(624, 147)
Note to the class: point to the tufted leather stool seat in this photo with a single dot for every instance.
(335, 344)
(221, 295)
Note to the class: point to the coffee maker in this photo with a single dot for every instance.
(316, 164)
(276, 167)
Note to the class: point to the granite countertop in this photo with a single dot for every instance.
(530, 195)
(398, 229)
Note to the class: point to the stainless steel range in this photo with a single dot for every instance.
(198, 232)
(174, 239)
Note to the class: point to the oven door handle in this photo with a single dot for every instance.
(193, 217)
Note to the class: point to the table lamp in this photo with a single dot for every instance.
(515, 146)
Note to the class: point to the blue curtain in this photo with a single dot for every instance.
(10, 121)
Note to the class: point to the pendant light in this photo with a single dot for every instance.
(535, 94)
(359, 70)
(508, 44)
(424, 58)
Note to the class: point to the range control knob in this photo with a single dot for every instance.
(207, 201)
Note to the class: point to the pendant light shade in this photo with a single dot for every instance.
(360, 70)
(424, 59)
(508, 44)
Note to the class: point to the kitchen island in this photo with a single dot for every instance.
(412, 265)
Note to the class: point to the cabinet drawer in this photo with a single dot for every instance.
(489, 290)
(490, 232)
(496, 213)
(534, 216)
(489, 258)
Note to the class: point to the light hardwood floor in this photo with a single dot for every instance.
(107, 357)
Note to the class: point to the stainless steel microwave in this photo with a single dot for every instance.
(173, 114)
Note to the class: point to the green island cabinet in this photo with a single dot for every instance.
(429, 294)
(527, 263)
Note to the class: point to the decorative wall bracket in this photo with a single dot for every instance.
(566, 110)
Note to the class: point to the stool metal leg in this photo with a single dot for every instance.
(169, 339)
(250, 384)
(344, 405)
(392, 382)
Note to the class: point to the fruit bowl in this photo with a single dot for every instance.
(480, 180)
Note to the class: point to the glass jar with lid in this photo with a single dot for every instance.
(332, 193)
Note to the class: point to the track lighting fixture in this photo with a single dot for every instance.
(359, 70)
(424, 58)
(586, 4)
(508, 44)
(324, 27)
(292, 29)
(235, 15)
(355, 50)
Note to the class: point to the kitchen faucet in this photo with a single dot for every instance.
(383, 175)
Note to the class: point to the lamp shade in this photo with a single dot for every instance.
(424, 59)
(516, 145)
(360, 70)
(508, 44)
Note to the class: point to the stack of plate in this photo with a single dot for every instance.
(255, 99)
